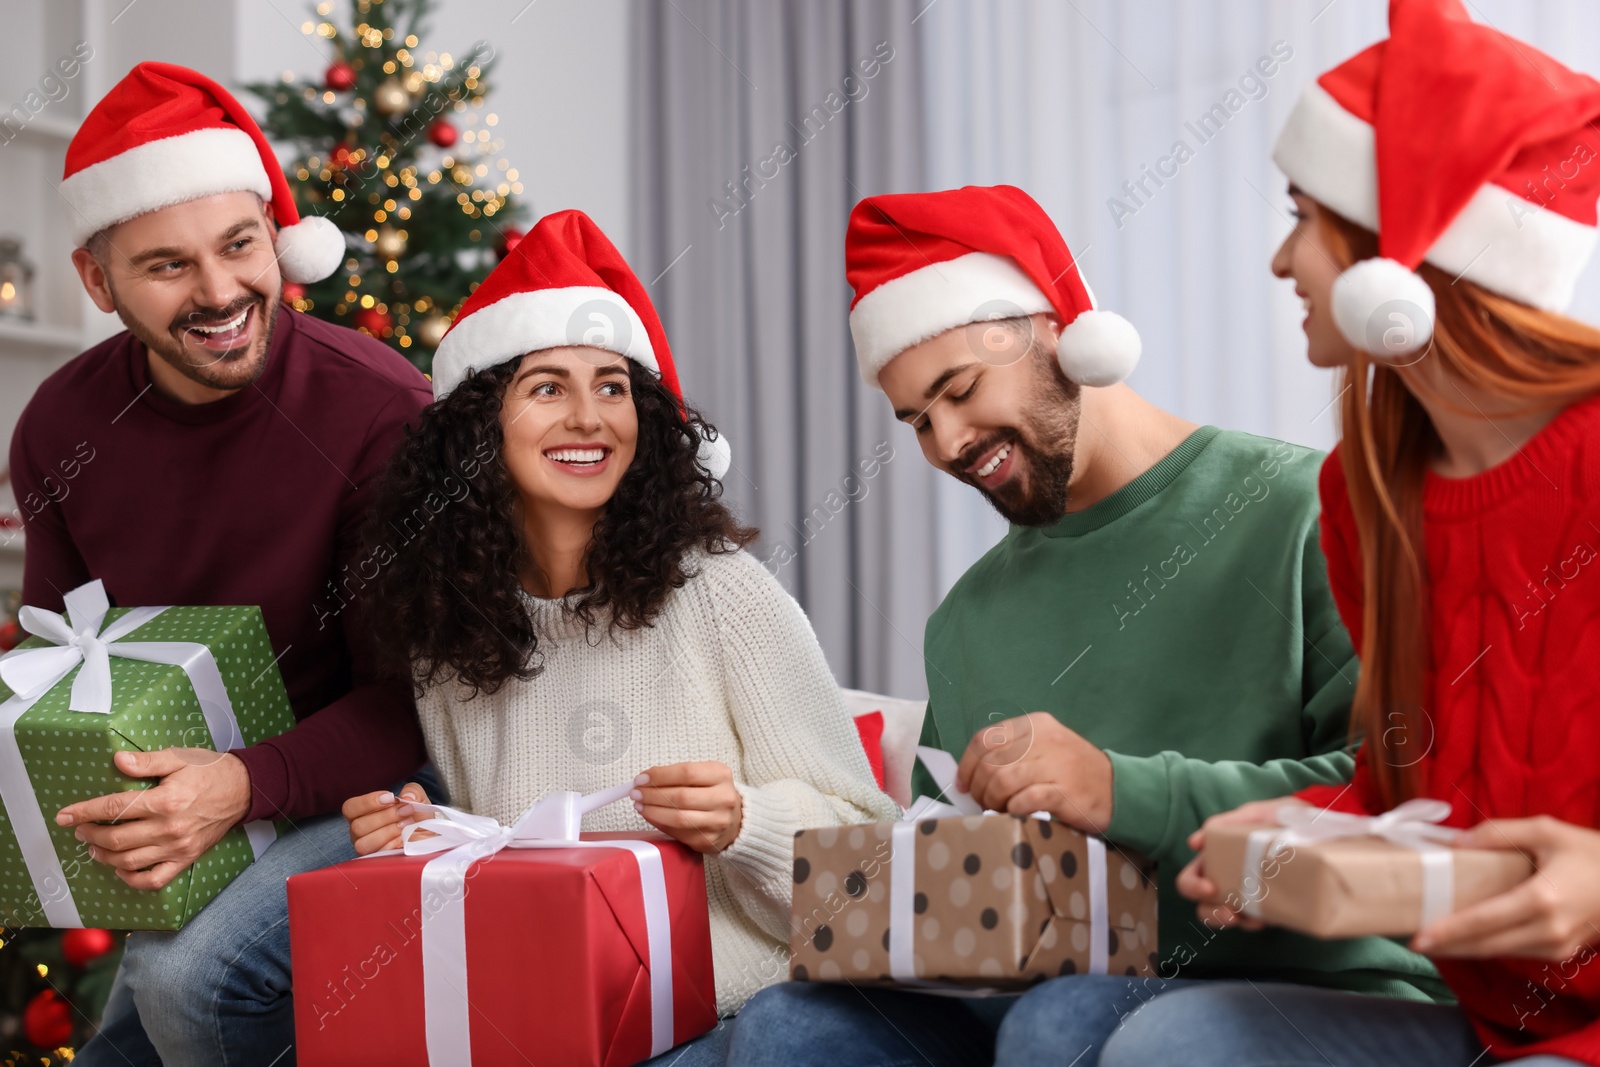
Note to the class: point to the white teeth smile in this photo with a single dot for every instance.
(1306, 301)
(994, 464)
(577, 455)
(225, 327)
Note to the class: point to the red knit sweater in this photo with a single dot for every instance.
(1512, 689)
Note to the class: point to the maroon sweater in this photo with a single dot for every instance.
(258, 498)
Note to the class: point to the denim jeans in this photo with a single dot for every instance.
(218, 991)
(1256, 1024)
(1068, 1020)
(793, 1024)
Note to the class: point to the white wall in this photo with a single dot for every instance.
(558, 87)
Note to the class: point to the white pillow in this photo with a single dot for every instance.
(902, 727)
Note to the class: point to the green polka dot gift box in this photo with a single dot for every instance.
(968, 901)
(203, 674)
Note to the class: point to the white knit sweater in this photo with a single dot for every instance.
(729, 671)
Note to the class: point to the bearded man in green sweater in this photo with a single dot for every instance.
(1152, 642)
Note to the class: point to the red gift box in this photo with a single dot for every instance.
(556, 946)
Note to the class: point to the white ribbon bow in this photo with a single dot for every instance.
(463, 838)
(1413, 825)
(78, 637)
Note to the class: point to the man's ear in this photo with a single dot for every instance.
(1053, 326)
(94, 279)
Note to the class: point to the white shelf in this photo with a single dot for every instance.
(38, 337)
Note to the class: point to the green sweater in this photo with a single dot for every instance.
(1184, 624)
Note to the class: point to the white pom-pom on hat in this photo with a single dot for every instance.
(1360, 296)
(1098, 348)
(715, 455)
(310, 250)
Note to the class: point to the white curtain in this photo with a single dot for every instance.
(1069, 99)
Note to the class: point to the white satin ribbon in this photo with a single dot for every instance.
(902, 899)
(32, 672)
(1099, 912)
(463, 839)
(1413, 825)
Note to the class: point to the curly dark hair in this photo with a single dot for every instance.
(447, 541)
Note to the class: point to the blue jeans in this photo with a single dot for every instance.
(218, 991)
(1256, 1024)
(1068, 1020)
(792, 1024)
(1062, 1021)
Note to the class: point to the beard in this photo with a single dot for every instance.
(1045, 440)
(229, 370)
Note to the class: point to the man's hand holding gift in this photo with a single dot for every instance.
(1033, 763)
(156, 833)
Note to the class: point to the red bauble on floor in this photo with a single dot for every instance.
(82, 946)
(47, 1020)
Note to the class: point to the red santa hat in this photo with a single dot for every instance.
(564, 284)
(1475, 151)
(924, 263)
(166, 134)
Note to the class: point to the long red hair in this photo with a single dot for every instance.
(1489, 343)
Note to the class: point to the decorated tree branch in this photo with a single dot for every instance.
(396, 149)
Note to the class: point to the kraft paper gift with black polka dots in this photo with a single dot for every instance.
(994, 901)
(67, 757)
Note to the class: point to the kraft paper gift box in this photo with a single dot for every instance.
(154, 677)
(561, 949)
(975, 901)
(1329, 874)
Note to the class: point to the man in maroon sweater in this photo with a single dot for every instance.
(222, 450)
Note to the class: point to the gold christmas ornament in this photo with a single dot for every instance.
(430, 331)
(390, 243)
(391, 98)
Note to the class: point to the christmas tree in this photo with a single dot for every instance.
(53, 986)
(390, 149)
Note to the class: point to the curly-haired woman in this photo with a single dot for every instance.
(1444, 187)
(560, 579)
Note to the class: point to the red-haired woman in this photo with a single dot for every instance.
(1461, 523)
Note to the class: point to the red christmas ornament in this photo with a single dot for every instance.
(293, 291)
(341, 77)
(340, 157)
(47, 1020)
(11, 635)
(377, 323)
(81, 946)
(441, 133)
(510, 238)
